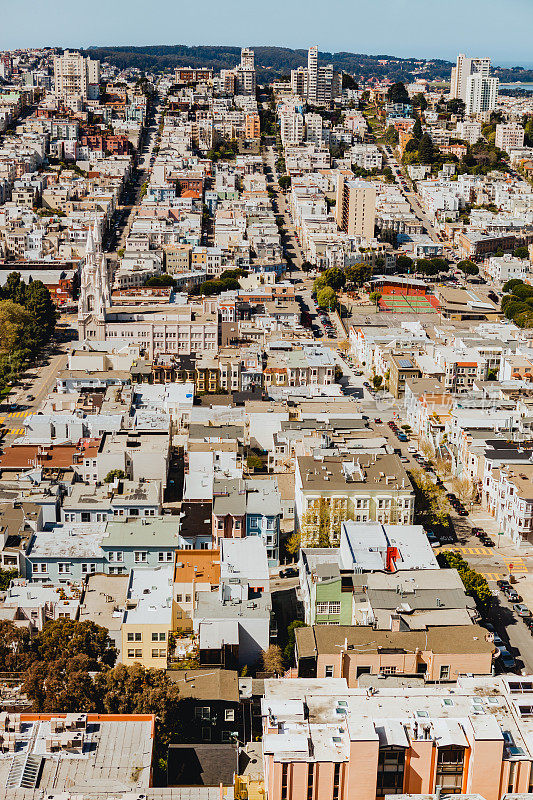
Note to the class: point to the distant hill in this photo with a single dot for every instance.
(272, 62)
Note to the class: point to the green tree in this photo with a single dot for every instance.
(335, 278)
(521, 252)
(377, 381)
(66, 638)
(273, 660)
(374, 298)
(253, 461)
(397, 93)
(15, 325)
(6, 576)
(161, 280)
(468, 267)
(289, 647)
(284, 182)
(327, 298)
(425, 149)
(474, 583)
(417, 129)
(114, 473)
(137, 690)
(15, 647)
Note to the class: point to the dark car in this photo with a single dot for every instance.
(502, 584)
(290, 572)
(450, 496)
(477, 531)
(488, 542)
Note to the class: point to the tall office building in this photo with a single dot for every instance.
(481, 94)
(247, 59)
(245, 83)
(76, 76)
(319, 85)
(355, 209)
(312, 75)
(464, 68)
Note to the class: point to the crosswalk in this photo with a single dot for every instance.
(471, 551)
(15, 432)
(492, 576)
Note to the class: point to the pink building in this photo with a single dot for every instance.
(324, 740)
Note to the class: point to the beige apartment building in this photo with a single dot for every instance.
(355, 210)
(148, 618)
(76, 76)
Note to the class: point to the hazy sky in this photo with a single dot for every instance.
(500, 29)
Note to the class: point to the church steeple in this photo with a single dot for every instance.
(94, 293)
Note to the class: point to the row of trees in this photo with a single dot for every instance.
(517, 304)
(70, 666)
(27, 322)
(227, 280)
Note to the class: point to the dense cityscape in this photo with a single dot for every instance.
(266, 447)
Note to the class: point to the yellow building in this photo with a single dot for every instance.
(148, 618)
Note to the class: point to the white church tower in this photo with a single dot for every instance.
(95, 296)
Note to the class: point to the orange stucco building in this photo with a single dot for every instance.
(324, 740)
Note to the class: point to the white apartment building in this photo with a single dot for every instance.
(464, 68)
(292, 127)
(469, 131)
(504, 268)
(509, 136)
(366, 156)
(508, 496)
(481, 94)
(313, 128)
(76, 76)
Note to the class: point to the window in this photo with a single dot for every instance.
(165, 556)
(179, 598)
(450, 761)
(202, 712)
(284, 781)
(229, 715)
(43, 568)
(131, 653)
(310, 780)
(444, 672)
(138, 653)
(206, 734)
(155, 653)
(130, 636)
(85, 516)
(322, 608)
(329, 670)
(336, 780)
(141, 557)
(388, 670)
(86, 568)
(63, 567)
(391, 764)
(159, 637)
(187, 598)
(512, 775)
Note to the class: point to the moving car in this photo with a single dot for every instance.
(522, 610)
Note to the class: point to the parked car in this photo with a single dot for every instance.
(506, 659)
(290, 572)
(512, 595)
(502, 584)
(522, 610)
